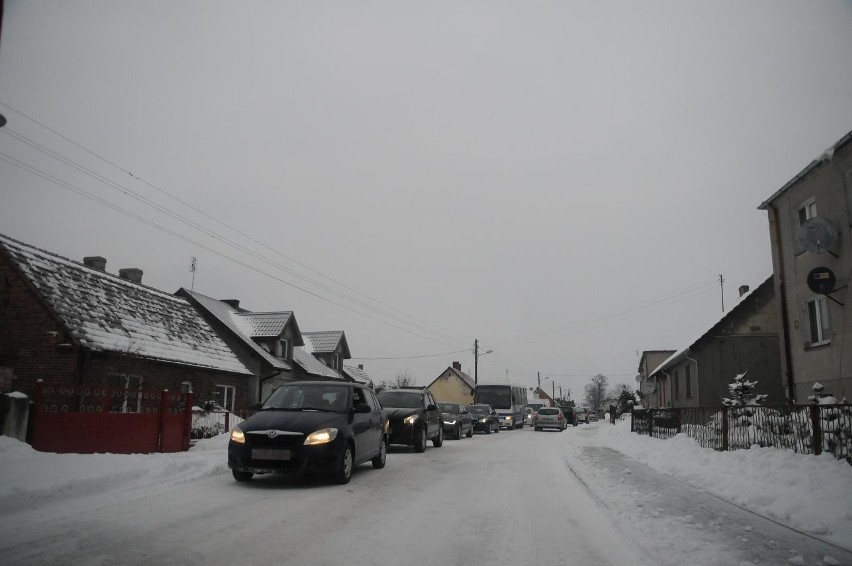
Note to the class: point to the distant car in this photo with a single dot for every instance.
(413, 417)
(485, 418)
(582, 414)
(570, 414)
(457, 420)
(528, 415)
(549, 417)
(305, 427)
(593, 417)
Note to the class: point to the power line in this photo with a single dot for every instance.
(82, 192)
(414, 357)
(419, 323)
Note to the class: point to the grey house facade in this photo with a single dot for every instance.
(809, 224)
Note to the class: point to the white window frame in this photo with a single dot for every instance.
(819, 323)
(228, 400)
(810, 209)
(282, 349)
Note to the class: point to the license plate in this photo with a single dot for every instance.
(270, 454)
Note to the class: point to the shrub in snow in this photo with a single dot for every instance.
(835, 422)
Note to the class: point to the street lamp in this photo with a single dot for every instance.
(476, 354)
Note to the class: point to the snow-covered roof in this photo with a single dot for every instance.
(326, 342)
(683, 351)
(827, 155)
(262, 324)
(104, 312)
(312, 365)
(238, 323)
(357, 374)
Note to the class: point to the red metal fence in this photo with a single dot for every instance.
(88, 419)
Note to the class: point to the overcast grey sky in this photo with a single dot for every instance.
(563, 180)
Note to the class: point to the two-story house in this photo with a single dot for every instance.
(653, 392)
(810, 219)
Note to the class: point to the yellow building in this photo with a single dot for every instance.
(453, 386)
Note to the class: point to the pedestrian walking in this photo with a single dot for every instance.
(612, 413)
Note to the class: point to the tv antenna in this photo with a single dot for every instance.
(192, 266)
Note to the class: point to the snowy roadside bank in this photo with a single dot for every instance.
(812, 494)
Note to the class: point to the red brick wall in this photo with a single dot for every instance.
(30, 335)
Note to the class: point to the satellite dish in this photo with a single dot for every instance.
(818, 235)
(822, 280)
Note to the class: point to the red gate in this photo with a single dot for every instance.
(88, 419)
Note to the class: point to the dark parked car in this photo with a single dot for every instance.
(485, 418)
(456, 420)
(413, 417)
(570, 414)
(311, 426)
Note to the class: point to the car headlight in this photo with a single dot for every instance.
(483, 420)
(449, 422)
(508, 418)
(410, 420)
(238, 436)
(322, 436)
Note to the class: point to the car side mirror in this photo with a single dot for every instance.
(256, 406)
(363, 408)
(432, 407)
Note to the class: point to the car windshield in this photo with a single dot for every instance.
(500, 397)
(401, 399)
(548, 411)
(473, 409)
(453, 408)
(304, 397)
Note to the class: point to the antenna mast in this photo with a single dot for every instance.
(192, 267)
(722, 285)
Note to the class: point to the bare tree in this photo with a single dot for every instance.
(402, 378)
(595, 391)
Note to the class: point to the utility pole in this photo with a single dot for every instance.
(475, 363)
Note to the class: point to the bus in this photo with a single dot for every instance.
(508, 400)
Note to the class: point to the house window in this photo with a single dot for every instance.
(688, 378)
(807, 211)
(676, 379)
(224, 396)
(818, 320)
(282, 349)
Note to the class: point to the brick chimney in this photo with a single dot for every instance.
(132, 274)
(457, 366)
(743, 290)
(235, 303)
(95, 262)
(361, 366)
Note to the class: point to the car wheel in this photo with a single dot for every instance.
(344, 469)
(242, 476)
(536, 429)
(458, 433)
(420, 443)
(438, 441)
(382, 457)
(470, 432)
(496, 429)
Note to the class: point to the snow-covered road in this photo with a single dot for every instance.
(512, 497)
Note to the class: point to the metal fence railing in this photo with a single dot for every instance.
(807, 429)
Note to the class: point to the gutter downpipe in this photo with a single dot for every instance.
(782, 301)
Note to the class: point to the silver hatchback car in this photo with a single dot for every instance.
(549, 417)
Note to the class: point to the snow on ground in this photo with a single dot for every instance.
(809, 493)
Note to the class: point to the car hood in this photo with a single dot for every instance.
(399, 414)
(294, 421)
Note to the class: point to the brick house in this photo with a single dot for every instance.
(70, 322)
